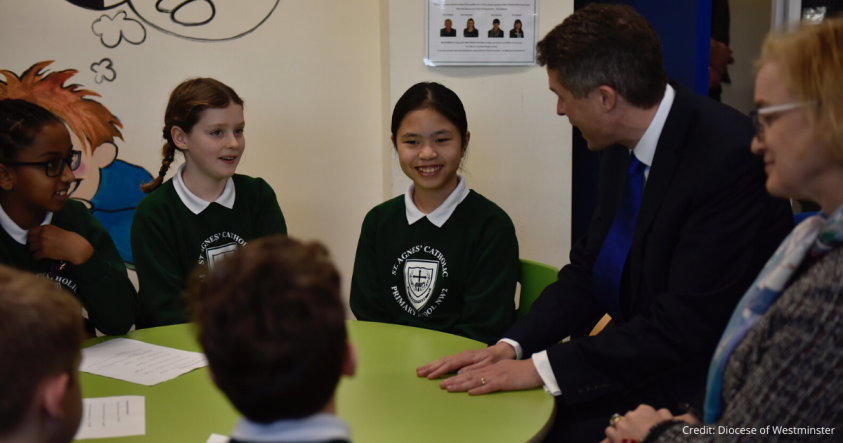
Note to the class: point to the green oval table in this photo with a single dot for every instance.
(383, 402)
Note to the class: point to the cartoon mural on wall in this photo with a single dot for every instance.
(108, 186)
(202, 20)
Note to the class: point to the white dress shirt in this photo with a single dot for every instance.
(645, 150)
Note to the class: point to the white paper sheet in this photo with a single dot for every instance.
(216, 438)
(112, 417)
(138, 362)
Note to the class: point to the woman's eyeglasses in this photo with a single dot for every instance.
(767, 110)
(54, 167)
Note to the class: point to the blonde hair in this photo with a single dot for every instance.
(811, 61)
(92, 122)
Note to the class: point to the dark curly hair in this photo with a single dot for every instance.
(20, 122)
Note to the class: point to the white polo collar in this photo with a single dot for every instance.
(645, 150)
(196, 204)
(19, 235)
(318, 427)
(441, 214)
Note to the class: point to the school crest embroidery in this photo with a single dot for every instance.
(419, 280)
(218, 253)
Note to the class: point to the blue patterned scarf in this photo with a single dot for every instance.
(815, 236)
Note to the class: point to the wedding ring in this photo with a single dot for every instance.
(483, 381)
(615, 419)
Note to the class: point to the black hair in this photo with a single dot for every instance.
(496, 21)
(518, 22)
(434, 96)
(20, 123)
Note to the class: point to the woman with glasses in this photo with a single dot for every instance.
(46, 233)
(777, 374)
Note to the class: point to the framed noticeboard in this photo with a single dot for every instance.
(481, 33)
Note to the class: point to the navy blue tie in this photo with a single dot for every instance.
(608, 268)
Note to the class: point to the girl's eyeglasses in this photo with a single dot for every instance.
(54, 167)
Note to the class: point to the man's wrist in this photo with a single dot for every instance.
(506, 350)
(510, 349)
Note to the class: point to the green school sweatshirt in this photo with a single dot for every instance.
(101, 283)
(459, 278)
(169, 241)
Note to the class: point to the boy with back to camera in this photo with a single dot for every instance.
(272, 325)
(40, 338)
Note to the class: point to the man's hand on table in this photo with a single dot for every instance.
(466, 360)
(495, 365)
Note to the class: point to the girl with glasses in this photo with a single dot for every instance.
(777, 373)
(441, 256)
(206, 211)
(46, 233)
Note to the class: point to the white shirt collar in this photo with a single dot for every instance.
(15, 231)
(317, 427)
(196, 204)
(441, 214)
(645, 150)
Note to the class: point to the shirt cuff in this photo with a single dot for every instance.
(542, 364)
(514, 345)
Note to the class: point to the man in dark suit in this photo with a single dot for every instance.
(682, 227)
(448, 31)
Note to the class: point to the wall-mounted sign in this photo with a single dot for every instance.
(481, 33)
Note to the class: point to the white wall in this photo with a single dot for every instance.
(319, 78)
(750, 23)
(314, 98)
(520, 152)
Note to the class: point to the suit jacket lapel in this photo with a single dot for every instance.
(661, 174)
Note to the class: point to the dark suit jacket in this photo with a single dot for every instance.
(467, 33)
(493, 34)
(445, 33)
(705, 228)
(515, 34)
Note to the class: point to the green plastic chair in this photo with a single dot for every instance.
(534, 278)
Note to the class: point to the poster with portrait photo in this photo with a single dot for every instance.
(481, 33)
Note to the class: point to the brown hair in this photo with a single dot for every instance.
(184, 110)
(92, 122)
(40, 335)
(609, 45)
(811, 61)
(272, 325)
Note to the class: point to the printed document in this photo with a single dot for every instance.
(138, 362)
(112, 417)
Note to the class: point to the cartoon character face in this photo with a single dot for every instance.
(204, 19)
(88, 174)
(194, 19)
